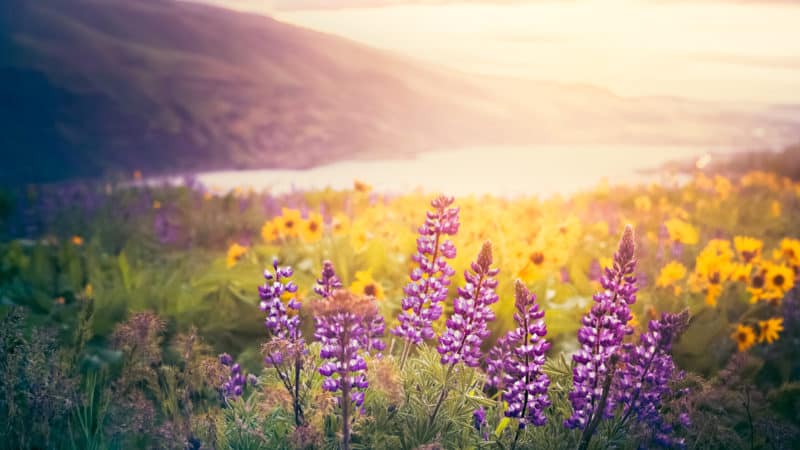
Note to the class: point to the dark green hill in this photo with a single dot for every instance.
(91, 87)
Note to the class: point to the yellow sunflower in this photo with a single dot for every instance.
(340, 224)
(235, 252)
(790, 251)
(779, 278)
(289, 222)
(744, 336)
(769, 330)
(364, 284)
(271, 231)
(643, 203)
(749, 249)
(360, 186)
(741, 272)
(359, 237)
(757, 287)
(670, 275)
(683, 232)
(311, 229)
(634, 322)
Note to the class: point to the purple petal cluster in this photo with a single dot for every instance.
(468, 326)
(234, 385)
(430, 280)
(343, 331)
(327, 284)
(279, 322)
(601, 334)
(479, 422)
(644, 376)
(328, 281)
(523, 352)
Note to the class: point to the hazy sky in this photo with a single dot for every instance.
(716, 50)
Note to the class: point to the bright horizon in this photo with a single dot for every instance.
(716, 50)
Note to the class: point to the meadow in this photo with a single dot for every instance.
(188, 317)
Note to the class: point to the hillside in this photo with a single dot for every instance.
(90, 87)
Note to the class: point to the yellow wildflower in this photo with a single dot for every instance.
(311, 229)
(670, 275)
(712, 268)
(235, 252)
(790, 251)
(361, 186)
(359, 237)
(748, 249)
(683, 232)
(271, 231)
(779, 278)
(156, 204)
(77, 240)
(634, 322)
(643, 203)
(340, 224)
(722, 186)
(744, 336)
(769, 330)
(741, 272)
(365, 285)
(290, 221)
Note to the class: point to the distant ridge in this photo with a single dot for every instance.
(93, 87)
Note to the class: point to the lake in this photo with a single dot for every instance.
(541, 170)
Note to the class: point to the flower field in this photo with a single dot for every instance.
(188, 317)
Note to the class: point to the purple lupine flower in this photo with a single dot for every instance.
(342, 329)
(430, 280)
(234, 385)
(601, 335)
(479, 422)
(645, 373)
(468, 326)
(327, 284)
(495, 361)
(328, 281)
(279, 322)
(525, 385)
(225, 359)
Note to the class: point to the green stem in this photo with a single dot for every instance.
(442, 396)
(597, 413)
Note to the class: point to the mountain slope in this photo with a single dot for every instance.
(91, 87)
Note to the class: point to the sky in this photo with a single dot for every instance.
(737, 51)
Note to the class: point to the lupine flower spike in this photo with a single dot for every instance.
(234, 386)
(468, 326)
(430, 280)
(517, 360)
(600, 336)
(285, 350)
(328, 281)
(342, 331)
(279, 322)
(643, 379)
(372, 340)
